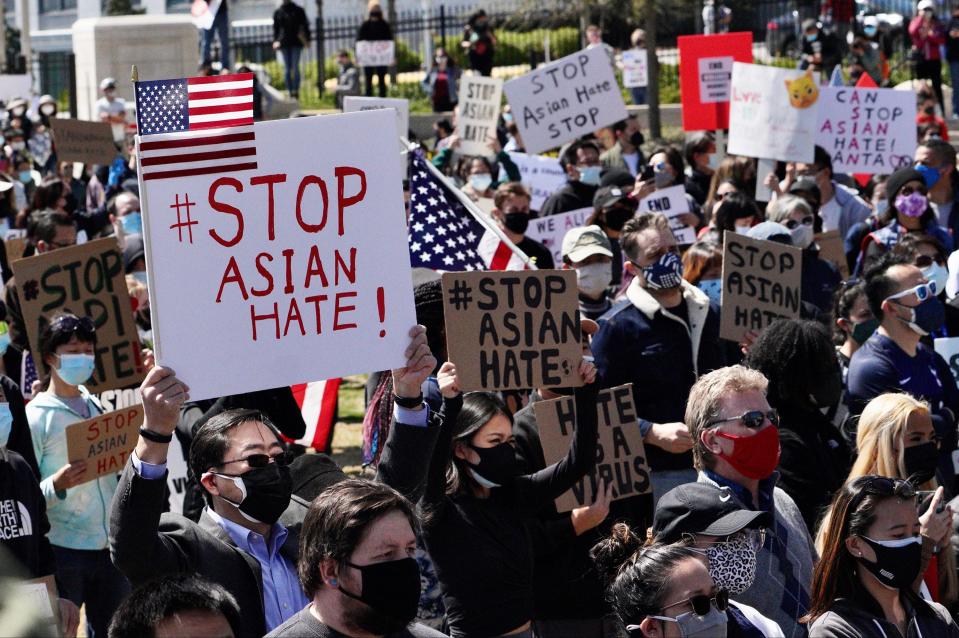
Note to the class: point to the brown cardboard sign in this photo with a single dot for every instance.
(620, 456)
(87, 280)
(831, 249)
(104, 441)
(15, 241)
(761, 282)
(512, 330)
(42, 594)
(87, 142)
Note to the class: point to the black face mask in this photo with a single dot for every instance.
(929, 110)
(391, 590)
(516, 222)
(826, 390)
(895, 567)
(637, 139)
(497, 464)
(617, 217)
(920, 462)
(266, 492)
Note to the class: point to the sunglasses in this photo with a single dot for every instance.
(792, 224)
(922, 292)
(701, 602)
(880, 486)
(753, 419)
(924, 261)
(257, 461)
(83, 325)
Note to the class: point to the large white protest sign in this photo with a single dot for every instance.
(400, 106)
(293, 271)
(375, 52)
(671, 202)
(635, 70)
(12, 86)
(477, 113)
(867, 130)
(542, 176)
(550, 231)
(772, 113)
(560, 101)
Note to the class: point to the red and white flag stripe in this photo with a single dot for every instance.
(498, 255)
(198, 153)
(220, 100)
(317, 401)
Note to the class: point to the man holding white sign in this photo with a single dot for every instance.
(371, 40)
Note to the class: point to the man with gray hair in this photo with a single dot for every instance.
(736, 446)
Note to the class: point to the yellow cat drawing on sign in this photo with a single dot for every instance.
(803, 91)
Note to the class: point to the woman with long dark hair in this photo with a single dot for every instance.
(441, 82)
(475, 504)
(864, 582)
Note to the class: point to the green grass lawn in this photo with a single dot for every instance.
(348, 434)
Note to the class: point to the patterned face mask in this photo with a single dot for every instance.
(732, 564)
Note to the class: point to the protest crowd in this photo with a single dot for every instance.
(617, 387)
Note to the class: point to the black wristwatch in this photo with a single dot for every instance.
(408, 402)
(156, 437)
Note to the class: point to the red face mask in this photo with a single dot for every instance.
(754, 456)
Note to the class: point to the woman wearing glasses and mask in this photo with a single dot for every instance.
(895, 438)
(863, 584)
(664, 591)
(78, 507)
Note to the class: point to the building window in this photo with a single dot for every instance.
(49, 6)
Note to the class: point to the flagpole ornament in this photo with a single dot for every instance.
(134, 74)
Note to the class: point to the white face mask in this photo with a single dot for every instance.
(937, 274)
(593, 279)
(48, 109)
(742, 229)
(802, 236)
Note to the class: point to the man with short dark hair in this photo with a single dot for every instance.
(936, 161)
(357, 565)
(894, 359)
(699, 152)
(840, 207)
(180, 605)
(581, 163)
(625, 153)
(511, 213)
(660, 341)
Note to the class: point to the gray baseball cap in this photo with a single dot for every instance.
(585, 241)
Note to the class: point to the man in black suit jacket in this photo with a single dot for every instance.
(241, 464)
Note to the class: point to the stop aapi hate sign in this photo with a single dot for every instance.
(295, 271)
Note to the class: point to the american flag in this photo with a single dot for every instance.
(446, 235)
(317, 401)
(196, 126)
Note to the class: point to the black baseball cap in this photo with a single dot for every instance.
(698, 508)
(607, 196)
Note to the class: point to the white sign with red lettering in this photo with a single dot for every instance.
(293, 270)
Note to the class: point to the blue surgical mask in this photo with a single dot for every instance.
(507, 117)
(937, 274)
(76, 369)
(812, 37)
(26, 177)
(869, 30)
(881, 207)
(6, 422)
(132, 224)
(140, 276)
(589, 175)
(481, 181)
(929, 174)
(713, 289)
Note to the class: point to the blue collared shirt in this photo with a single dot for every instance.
(282, 595)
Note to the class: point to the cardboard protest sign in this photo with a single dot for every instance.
(948, 349)
(87, 280)
(354, 103)
(621, 457)
(867, 130)
(375, 52)
(542, 176)
(87, 142)
(12, 86)
(671, 202)
(478, 111)
(705, 68)
(295, 270)
(15, 241)
(635, 70)
(773, 113)
(40, 594)
(104, 441)
(513, 330)
(550, 231)
(761, 283)
(831, 249)
(562, 100)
